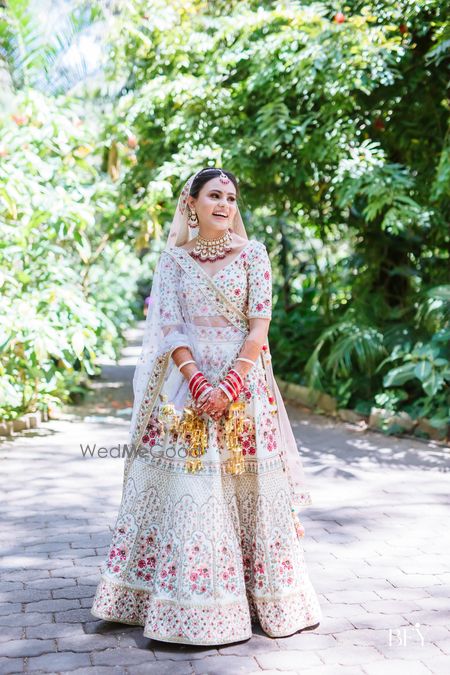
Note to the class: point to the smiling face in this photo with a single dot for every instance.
(215, 206)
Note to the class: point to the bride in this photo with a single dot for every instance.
(207, 538)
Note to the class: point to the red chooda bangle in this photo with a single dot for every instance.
(236, 378)
(198, 385)
(201, 388)
(229, 387)
(233, 383)
(194, 378)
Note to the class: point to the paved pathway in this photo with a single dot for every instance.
(375, 543)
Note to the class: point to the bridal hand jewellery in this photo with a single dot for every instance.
(185, 364)
(242, 358)
(193, 429)
(232, 384)
(212, 249)
(199, 386)
(235, 423)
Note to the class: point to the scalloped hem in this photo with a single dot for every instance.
(157, 636)
(203, 625)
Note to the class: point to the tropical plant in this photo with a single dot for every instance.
(337, 126)
(31, 57)
(68, 284)
(336, 123)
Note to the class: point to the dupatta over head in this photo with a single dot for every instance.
(155, 365)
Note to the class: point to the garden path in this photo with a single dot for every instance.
(375, 545)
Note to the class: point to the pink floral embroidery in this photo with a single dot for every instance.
(193, 559)
(246, 281)
(197, 579)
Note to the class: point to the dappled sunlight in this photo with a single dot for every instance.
(347, 444)
(366, 538)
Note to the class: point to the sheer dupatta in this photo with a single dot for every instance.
(160, 339)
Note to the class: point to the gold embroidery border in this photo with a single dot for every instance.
(152, 390)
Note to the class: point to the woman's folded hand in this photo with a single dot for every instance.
(215, 404)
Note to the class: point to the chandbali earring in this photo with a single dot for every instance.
(193, 218)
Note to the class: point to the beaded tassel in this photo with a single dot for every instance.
(300, 530)
(270, 395)
(234, 426)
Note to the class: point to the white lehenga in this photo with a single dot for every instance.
(194, 558)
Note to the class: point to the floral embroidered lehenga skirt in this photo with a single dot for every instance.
(195, 558)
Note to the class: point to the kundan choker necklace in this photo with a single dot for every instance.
(212, 249)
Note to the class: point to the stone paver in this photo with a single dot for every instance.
(376, 543)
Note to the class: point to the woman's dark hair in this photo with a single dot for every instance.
(207, 174)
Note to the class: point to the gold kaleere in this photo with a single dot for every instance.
(194, 427)
(189, 427)
(235, 422)
(168, 416)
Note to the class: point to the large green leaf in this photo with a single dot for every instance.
(400, 375)
(433, 384)
(423, 370)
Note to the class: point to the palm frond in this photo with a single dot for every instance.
(358, 346)
(352, 345)
(19, 42)
(434, 307)
(48, 62)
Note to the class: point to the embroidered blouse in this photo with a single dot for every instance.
(246, 281)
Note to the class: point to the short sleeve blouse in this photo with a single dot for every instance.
(259, 283)
(170, 310)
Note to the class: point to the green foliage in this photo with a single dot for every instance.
(29, 58)
(68, 284)
(338, 132)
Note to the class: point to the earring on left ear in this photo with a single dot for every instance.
(193, 218)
